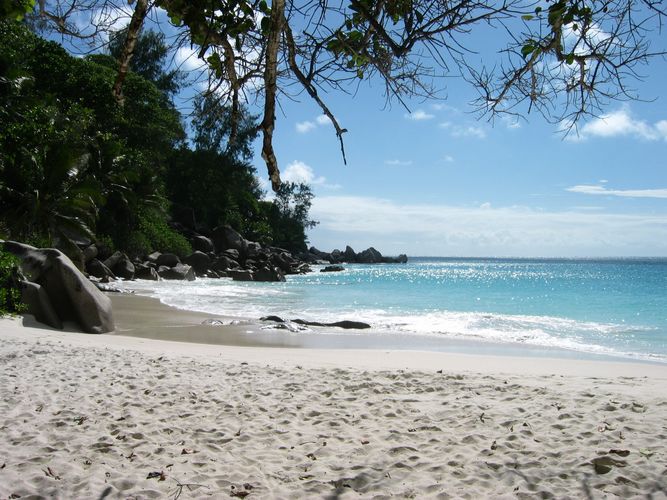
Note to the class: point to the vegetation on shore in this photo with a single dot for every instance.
(76, 166)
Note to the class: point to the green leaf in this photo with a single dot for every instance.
(527, 49)
(570, 59)
(527, 17)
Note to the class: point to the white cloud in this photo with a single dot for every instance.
(308, 125)
(464, 130)
(419, 115)
(449, 158)
(298, 171)
(186, 59)
(398, 163)
(323, 120)
(621, 123)
(305, 127)
(421, 229)
(625, 193)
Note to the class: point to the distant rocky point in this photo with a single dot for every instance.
(368, 256)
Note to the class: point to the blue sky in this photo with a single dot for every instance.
(442, 181)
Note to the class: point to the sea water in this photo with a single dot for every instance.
(612, 307)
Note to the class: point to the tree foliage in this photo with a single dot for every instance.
(565, 59)
(76, 166)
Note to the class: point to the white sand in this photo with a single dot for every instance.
(91, 416)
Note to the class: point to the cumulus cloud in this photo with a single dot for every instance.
(624, 193)
(398, 163)
(298, 172)
(434, 229)
(323, 120)
(419, 115)
(621, 123)
(304, 127)
(308, 125)
(186, 59)
(464, 130)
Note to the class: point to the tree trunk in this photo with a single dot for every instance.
(270, 90)
(133, 29)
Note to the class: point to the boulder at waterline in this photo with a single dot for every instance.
(73, 296)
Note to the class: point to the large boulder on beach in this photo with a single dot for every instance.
(39, 305)
(72, 295)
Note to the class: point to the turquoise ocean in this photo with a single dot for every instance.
(614, 307)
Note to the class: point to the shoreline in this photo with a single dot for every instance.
(118, 416)
(140, 315)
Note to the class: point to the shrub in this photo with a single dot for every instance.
(10, 293)
(155, 234)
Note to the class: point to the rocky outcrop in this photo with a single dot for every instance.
(225, 238)
(167, 259)
(345, 324)
(177, 272)
(71, 295)
(368, 256)
(332, 269)
(203, 244)
(268, 274)
(199, 261)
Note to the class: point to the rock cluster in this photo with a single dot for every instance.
(225, 254)
(368, 256)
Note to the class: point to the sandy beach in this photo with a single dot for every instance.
(119, 416)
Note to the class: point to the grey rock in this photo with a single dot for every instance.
(332, 269)
(269, 274)
(232, 253)
(124, 268)
(369, 256)
(90, 253)
(153, 257)
(199, 261)
(225, 238)
(349, 255)
(39, 304)
(240, 275)
(99, 270)
(277, 319)
(177, 272)
(346, 324)
(224, 263)
(144, 272)
(203, 244)
(167, 259)
(72, 295)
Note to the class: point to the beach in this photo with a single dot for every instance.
(129, 416)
